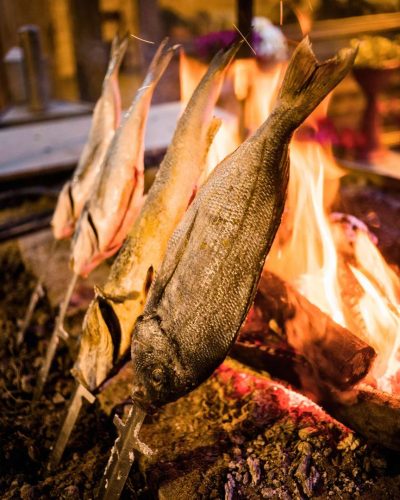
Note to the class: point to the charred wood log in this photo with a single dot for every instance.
(293, 340)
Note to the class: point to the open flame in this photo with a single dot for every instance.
(330, 258)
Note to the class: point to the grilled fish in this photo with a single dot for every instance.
(106, 118)
(112, 315)
(118, 194)
(214, 259)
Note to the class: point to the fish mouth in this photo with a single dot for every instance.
(140, 398)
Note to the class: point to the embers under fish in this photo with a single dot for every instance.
(118, 194)
(213, 262)
(106, 118)
(110, 319)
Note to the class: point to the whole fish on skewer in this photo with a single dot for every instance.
(214, 259)
(115, 200)
(76, 191)
(118, 194)
(112, 315)
(106, 118)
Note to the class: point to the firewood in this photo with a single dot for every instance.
(373, 413)
(284, 321)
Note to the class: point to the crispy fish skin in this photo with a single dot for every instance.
(118, 194)
(214, 259)
(106, 117)
(110, 319)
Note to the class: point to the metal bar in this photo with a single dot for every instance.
(122, 455)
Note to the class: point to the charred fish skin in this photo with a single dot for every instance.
(121, 300)
(214, 259)
(106, 116)
(118, 194)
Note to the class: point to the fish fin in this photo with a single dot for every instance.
(118, 49)
(213, 130)
(117, 298)
(224, 57)
(307, 81)
(159, 63)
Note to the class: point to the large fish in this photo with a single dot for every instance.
(112, 315)
(118, 194)
(106, 117)
(213, 262)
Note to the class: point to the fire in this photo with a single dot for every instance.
(330, 258)
(227, 138)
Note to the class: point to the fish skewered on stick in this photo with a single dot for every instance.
(110, 319)
(213, 262)
(214, 259)
(118, 194)
(106, 117)
(115, 199)
(111, 316)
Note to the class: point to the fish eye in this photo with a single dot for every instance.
(157, 376)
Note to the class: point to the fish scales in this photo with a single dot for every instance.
(125, 291)
(199, 285)
(213, 262)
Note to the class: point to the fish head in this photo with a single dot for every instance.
(159, 377)
(85, 245)
(98, 347)
(63, 221)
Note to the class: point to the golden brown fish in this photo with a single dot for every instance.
(118, 194)
(214, 259)
(112, 315)
(106, 117)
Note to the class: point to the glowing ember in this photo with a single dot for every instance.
(331, 260)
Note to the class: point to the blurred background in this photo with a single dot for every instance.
(54, 54)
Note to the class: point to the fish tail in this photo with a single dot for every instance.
(308, 81)
(199, 110)
(224, 57)
(118, 49)
(159, 64)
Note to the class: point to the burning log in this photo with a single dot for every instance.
(241, 435)
(291, 327)
(327, 357)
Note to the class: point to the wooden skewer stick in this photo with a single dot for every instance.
(58, 332)
(37, 293)
(71, 416)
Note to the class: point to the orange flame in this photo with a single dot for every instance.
(345, 276)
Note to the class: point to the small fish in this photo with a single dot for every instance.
(208, 279)
(118, 193)
(106, 118)
(110, 319)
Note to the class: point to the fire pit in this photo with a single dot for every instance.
(307, 405)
